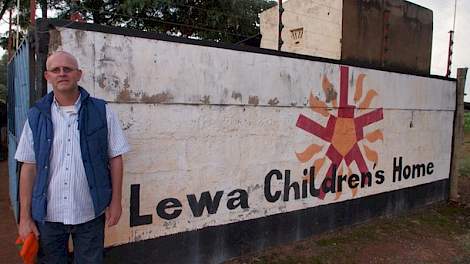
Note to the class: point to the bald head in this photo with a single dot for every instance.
(62, 72)
(61, 55)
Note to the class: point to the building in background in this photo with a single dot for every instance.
(392, 34)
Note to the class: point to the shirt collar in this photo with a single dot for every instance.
(76, 104)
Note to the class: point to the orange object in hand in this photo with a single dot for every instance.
(28, 248)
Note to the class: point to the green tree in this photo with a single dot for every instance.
(231, 21)
(219, 20)
(24, 17)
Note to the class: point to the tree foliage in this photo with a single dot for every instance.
(219, 20)
(226, 20)
(24, 17)
(230, 21)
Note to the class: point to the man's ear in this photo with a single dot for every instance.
(46, 76)
(79, 74)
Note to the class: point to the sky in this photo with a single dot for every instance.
(443, 18)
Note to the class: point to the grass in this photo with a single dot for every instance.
(439, 221)
(464, 166)
(464, 162)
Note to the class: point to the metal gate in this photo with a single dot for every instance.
(18, 105)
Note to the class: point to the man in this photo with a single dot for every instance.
(71, 178)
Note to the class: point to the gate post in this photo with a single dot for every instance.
(457, 139)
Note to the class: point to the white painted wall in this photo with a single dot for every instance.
(205, 134)
(321, 21)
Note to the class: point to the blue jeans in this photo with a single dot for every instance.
(88, 242)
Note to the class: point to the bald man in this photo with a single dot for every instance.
(71, 149)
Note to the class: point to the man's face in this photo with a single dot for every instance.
(62, 72)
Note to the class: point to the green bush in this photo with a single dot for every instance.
(466, 126)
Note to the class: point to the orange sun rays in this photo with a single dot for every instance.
(344, 135)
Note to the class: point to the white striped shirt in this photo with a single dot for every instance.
(68, 195)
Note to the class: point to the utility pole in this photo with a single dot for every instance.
(10, 36)
(458, 136)
(32, 11)
(451, 43)
(17, 24)
(281, 26)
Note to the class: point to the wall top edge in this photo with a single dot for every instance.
(44, 25)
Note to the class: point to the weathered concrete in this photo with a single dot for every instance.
(391, 33)
(311, 27)
(458, 135)
(220, 121)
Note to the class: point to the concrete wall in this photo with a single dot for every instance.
(312, 27)
(393, 33)
(210, 124)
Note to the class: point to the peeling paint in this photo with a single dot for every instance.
(106, 59)
(237, 96)
(156, 98)
(253, 100)
(126, 83)
(79, 37)
(110, 82)
(273, 101)
(205, 99)
(331, 94)
(55, 40)
(252, 188)
(127, 126)
(169, 225)
(105, 46)
(286, 76)
(102, 81)
(124, 96)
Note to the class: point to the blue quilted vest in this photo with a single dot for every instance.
(93, 145)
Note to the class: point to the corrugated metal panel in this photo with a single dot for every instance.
(12, 172)
(22, 87)
(18, 105)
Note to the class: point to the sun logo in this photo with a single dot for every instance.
(344, 133)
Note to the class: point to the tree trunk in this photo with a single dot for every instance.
(43, 4)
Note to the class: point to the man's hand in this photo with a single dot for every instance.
(27, 226)
(113, 213)
(27, 176)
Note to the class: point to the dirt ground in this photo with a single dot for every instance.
(8, 250)
(437, 234)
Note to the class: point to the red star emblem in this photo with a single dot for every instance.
(344, 131)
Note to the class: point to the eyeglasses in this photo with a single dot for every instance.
(64, 70)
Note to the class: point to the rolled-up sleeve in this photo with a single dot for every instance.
(25, 149)
(117, 141)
